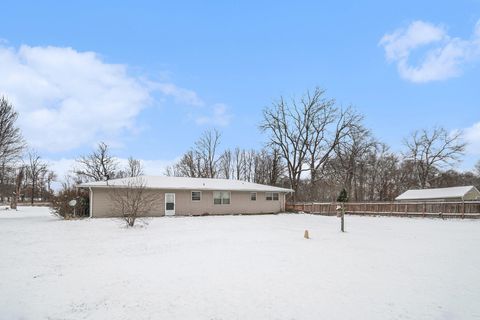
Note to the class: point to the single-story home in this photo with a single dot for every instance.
(463, 193)
(191, 196)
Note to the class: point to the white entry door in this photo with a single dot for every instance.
(169, 204)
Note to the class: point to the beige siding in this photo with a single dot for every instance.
(102, 206)
(240, 203)
(472, 195)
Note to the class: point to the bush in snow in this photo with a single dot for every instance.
(132, 200)
(61, 203)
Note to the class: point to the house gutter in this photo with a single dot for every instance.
(90, 203)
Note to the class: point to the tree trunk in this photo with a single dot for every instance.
(13, 203)
(33, 192)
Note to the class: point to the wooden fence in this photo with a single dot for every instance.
(469, 209)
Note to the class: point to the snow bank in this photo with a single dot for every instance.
(238, 267)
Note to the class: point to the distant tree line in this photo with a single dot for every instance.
(318, 149)
(312, 145)
(205, 160)
(24, 176)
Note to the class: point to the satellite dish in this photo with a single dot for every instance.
(72, 203)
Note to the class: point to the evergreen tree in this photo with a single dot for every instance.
(343, 196)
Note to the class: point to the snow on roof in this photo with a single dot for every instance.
(184, 183)
(437, 193)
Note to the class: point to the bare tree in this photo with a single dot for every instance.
(263, 166)
(7, 178)
(477, 168)
(50, 177)
(203, 161)
(306, 132)
(330, 127)
(431, 150)
(18, 185)
(267, 166)
(190, 165)
(206, 148)
(11, 147)
(70, 181)
(132, 199)
(35, 169)
(134, 168)
(238, 163)
(226, 164)
(97, 166)
(11, 141)
(350, 152)
(288, 129)
(452, 178)
(250, 165)
(276, 167)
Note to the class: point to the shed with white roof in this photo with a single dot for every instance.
(463, 193)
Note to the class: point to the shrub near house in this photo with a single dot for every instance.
(61, 204)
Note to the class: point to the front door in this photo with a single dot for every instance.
(169, 204)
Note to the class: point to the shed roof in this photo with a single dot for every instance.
(184, 183)
(436, 193)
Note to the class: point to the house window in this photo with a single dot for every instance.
(272, 196)
(196, 195)
(253, 196)
(221, 197)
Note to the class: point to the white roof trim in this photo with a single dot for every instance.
(437, 193)
(184, 183)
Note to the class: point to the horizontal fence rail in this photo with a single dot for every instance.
(467, 209)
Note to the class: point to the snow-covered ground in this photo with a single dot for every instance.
(238, 267)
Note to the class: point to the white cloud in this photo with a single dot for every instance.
(472, 137)
(444, 56)
(67, 99)
(219, 116)
(180, 95)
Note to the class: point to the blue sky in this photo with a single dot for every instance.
(149, 77)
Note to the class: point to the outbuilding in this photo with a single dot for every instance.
(463, 193)
(181, 196)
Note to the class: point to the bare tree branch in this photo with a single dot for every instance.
(432, 150)
(132, 199)
(97, 166)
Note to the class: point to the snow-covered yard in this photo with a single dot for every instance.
(238, 267)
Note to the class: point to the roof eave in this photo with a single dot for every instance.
(191, 188)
